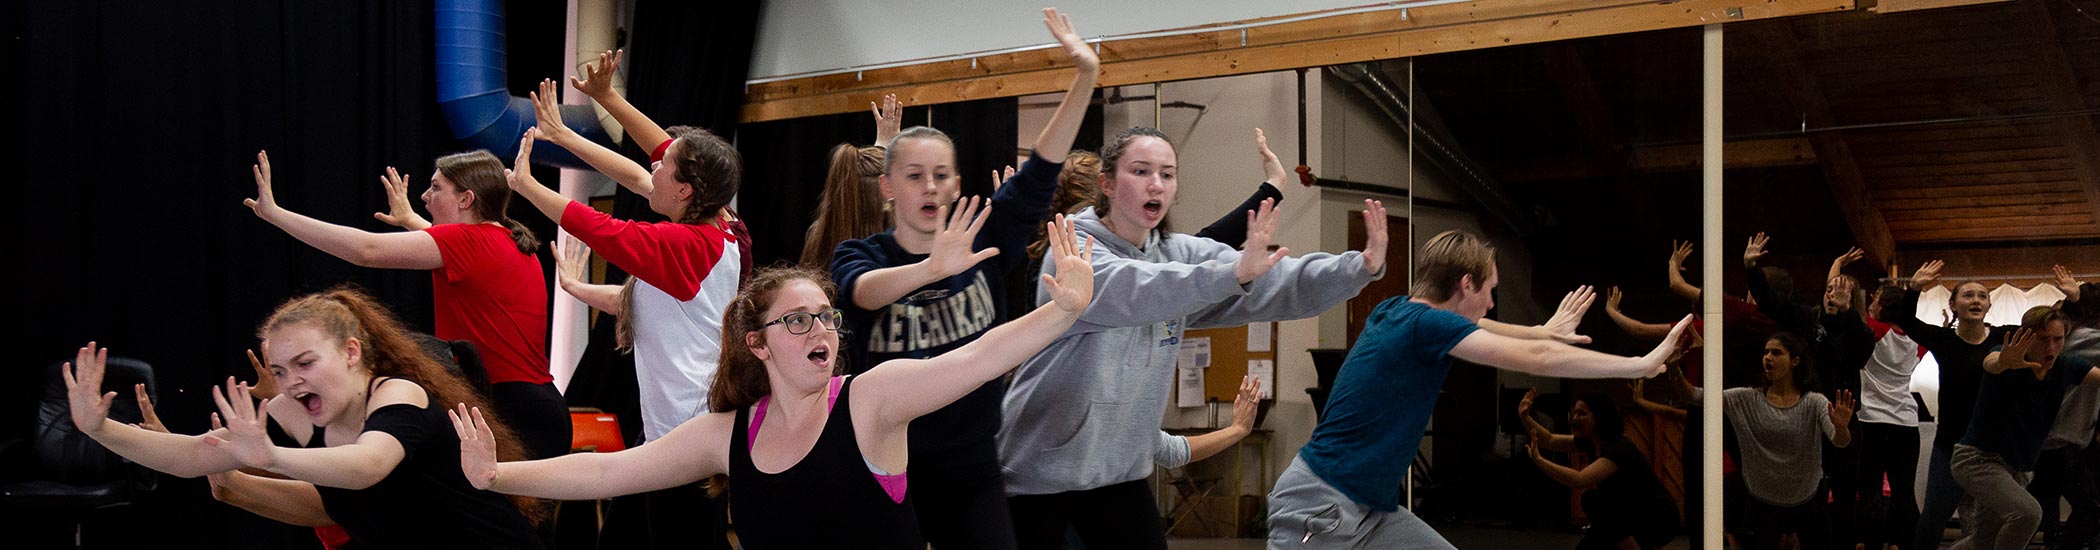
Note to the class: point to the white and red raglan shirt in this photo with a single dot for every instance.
(1884, 382)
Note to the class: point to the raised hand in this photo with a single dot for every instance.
(1375, 239)
(571, 259)
(1569, 316)
(1255, 258)
(520, 173)
(1842, 406)
(1611, 301)
(1524, 405)
(1658, 360)
(477, 446)
(247, 436)
(399, 212)
(1853, 255)
(1073, 288)
(264, 200)
(952, 254)
(546, 110)
(889, 120)
(148, 419)
(999, 179)
(1927, 275)
(1271, 167)
(83, 377)
(1679, 251)
(597, 79)
(1247, 404)
(2014, 354)
(2067, 283)
(1061, 27)
(1755, 250)
(265, 381)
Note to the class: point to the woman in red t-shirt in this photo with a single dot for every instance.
(486, 283)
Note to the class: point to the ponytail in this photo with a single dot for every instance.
(482, 173)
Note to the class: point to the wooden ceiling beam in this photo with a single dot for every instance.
(2061, 84)
(1312, 43)
(1840, 168)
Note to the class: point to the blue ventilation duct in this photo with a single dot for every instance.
(472, 94)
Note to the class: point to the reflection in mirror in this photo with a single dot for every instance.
(1907, 184)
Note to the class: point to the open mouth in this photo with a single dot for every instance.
(1154, 207)
(930, 209)
(311, 401)
(820, 356)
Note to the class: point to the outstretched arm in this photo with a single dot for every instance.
(177, 455)
(1560, 328)
(1589, 476)
(548, 110)
(1557, 360)
(1641, 399)
(1244, 407)
(905, 389)
(358, 465)
(952, 254)
(1056, 140)
(697, 449)
(597, 83)
(1538, 432)
(1231, 230)
(1634, 327)
(1680, 250)
(571, 259)
(404, 250)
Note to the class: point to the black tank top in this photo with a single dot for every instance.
(426, 501)
(828, 500)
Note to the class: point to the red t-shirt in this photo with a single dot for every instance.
(491, 294)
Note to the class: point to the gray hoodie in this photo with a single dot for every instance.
(1085, 413)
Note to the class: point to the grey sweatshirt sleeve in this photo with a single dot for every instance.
(1171, 452)
(1129, 293)
(1296, 288)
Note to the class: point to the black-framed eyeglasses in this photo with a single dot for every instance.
(799, 322)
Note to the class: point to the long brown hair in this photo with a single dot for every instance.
(716, 172)
(482, 173)
(852, 205)
(344, 312)
(740, 378)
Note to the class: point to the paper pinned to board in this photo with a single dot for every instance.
(1264, 370)
(1259, 335)
(1188, 388)
(1195, 354)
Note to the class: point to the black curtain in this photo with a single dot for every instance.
(136, 132)
(686, 67)
(785, 162)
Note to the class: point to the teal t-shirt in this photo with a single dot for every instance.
(1382, 399)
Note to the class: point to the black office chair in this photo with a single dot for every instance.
(68, 474)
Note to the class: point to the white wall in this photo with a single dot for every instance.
(798, 36)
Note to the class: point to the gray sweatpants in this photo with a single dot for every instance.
(2006, 515)
(1302, 503)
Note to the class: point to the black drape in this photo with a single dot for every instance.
(685, 67)
(785, 162)
(136, 134)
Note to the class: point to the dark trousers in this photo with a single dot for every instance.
(2066, 474)
(537, 413)
(680, 517)
(1116, 516)
(1891, 451)
(1810, 521)
(963, 506)
(1841, 474)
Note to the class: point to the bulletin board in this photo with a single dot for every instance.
(1228, 360)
